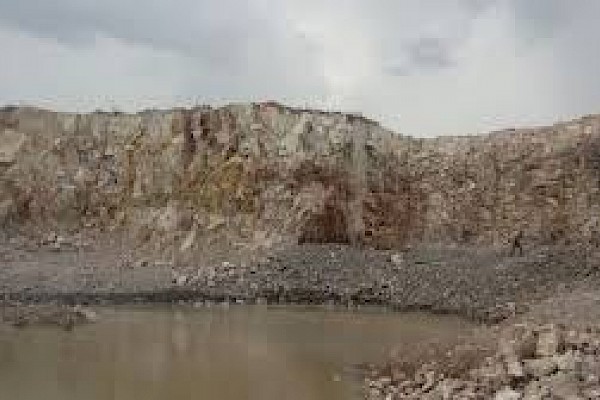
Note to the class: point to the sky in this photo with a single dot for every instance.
(420, 67)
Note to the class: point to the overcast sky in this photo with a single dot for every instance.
(421, 67)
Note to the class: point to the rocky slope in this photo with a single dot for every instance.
(182, 183)
(527, 362)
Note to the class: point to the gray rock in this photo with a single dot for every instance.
(567, 362)
(540, 367)
(87, 314)
(429, 381)
(563, 386)
(181, 280)
(519, 344)
(397, 259)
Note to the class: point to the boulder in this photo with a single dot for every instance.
(11, 143)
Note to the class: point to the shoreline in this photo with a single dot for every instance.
(485, 285)
(504, 296)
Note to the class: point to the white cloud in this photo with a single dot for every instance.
(109, 73)
(426, 67)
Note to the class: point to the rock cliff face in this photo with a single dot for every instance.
(253, 175)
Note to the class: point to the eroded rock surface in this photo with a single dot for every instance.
(258, 174)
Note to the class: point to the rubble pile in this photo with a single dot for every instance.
(531, 362)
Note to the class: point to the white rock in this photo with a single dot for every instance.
(181, 280)
(429, 381)
(86, 313)
(550, 341)
(189, 241)
(507, 394)
(11, 143)
(514, 369)
(397, 259)
(51, 238)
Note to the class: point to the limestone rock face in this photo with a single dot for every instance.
(255, 174)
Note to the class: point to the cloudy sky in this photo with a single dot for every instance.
(421, 67)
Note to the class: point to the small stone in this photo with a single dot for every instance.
(385, 381)
(564, 386)
(87, 314)
(514, 369)
(429, 381)
(519, 344)
(507, 394)
(181, 280)
(592, 393)
(189, 241)
(565, 362)
(540, 367)
(397, 259)
(551, 341)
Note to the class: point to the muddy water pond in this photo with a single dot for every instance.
(242, 352)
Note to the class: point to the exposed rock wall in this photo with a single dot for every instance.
(252, 175)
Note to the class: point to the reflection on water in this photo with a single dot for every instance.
(240, 353)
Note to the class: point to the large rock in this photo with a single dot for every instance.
(11, 143)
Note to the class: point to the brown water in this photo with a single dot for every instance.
(266, 353)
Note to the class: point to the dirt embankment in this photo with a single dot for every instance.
(550, 352)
